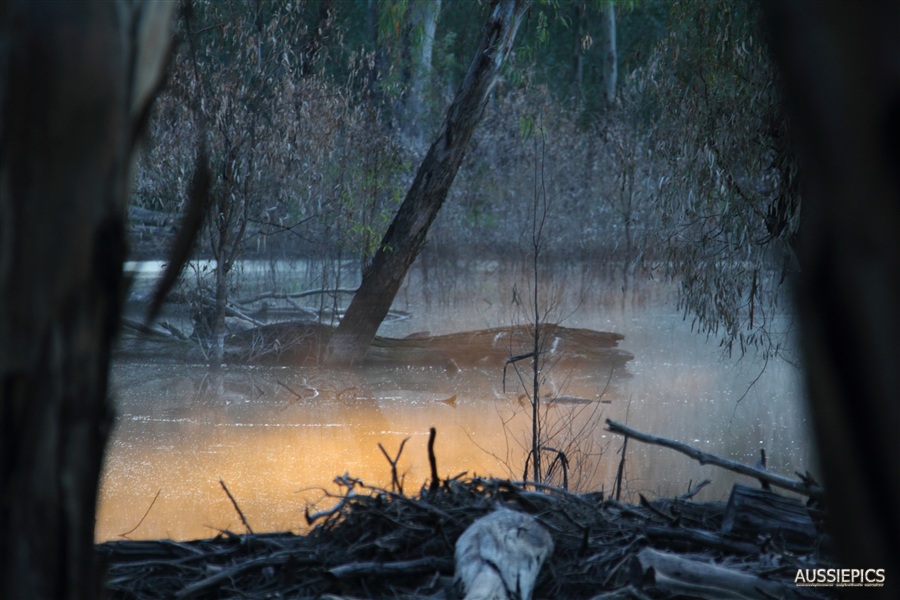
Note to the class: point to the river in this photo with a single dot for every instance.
(279, 436)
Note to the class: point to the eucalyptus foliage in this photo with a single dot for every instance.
(728, 200)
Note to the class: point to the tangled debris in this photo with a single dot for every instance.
(378, 543)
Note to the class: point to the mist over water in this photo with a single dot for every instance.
(278, 436)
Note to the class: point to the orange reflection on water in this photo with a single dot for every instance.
(276, 454)
(278, 437)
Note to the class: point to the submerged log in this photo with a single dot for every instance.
(492, 347)
(499, 556)
(754, 511)
(304, 343)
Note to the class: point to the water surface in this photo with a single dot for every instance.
(278, 437)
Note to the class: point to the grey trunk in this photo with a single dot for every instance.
(606, 45)
(423, 21)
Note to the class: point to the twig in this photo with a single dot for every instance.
(693, 491)
(395, 481)
(511, 361)
(311, 518)
(621, 470)
(435, 480)
(227, 573)
(706, 458)
(133, 529)
(298, 395)
(230, 310)
(236, 507)
(563, 460)
(646, 504)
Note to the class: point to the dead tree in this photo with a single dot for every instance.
(406, 235)
(76, 82)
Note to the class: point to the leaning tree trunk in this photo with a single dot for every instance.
(406, 235)
(76, 80)
(841, 64)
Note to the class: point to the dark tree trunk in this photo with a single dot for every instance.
(75, 84)
(406, 235)
(841, 64)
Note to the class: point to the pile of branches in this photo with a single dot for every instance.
(379, 543)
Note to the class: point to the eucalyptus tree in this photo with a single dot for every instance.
(727, 198)
(406, 235)
(423, 21)
(76, 83)
(238, 68)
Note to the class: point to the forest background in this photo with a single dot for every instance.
(662, 143)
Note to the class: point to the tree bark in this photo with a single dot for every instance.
(406, 235)
(424, 17)
(76, 81)
(606, 45)
(841, 65)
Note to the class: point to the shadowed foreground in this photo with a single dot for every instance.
(376, 543)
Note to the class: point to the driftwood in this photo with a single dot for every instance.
(427, 564)
(489, 538)
(705, 458)
(500, 555)
(681, 576)
(757, 511)
(381, 544)
(493, 347)
(303, 340)
(686, 538)
(294, 296)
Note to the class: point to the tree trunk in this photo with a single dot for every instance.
(606, 45)
(423, 22)
(406, 235)
(841, 65)
(76, 80)
(581, 44)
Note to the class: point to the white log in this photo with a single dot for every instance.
(500, 555)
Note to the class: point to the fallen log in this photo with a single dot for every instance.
(697, 539)
(425, 564)
(678, 576)
(751, 511)
(705, 458)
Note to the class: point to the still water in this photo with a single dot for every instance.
(278, 436)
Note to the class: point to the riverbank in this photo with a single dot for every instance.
(377, 543)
